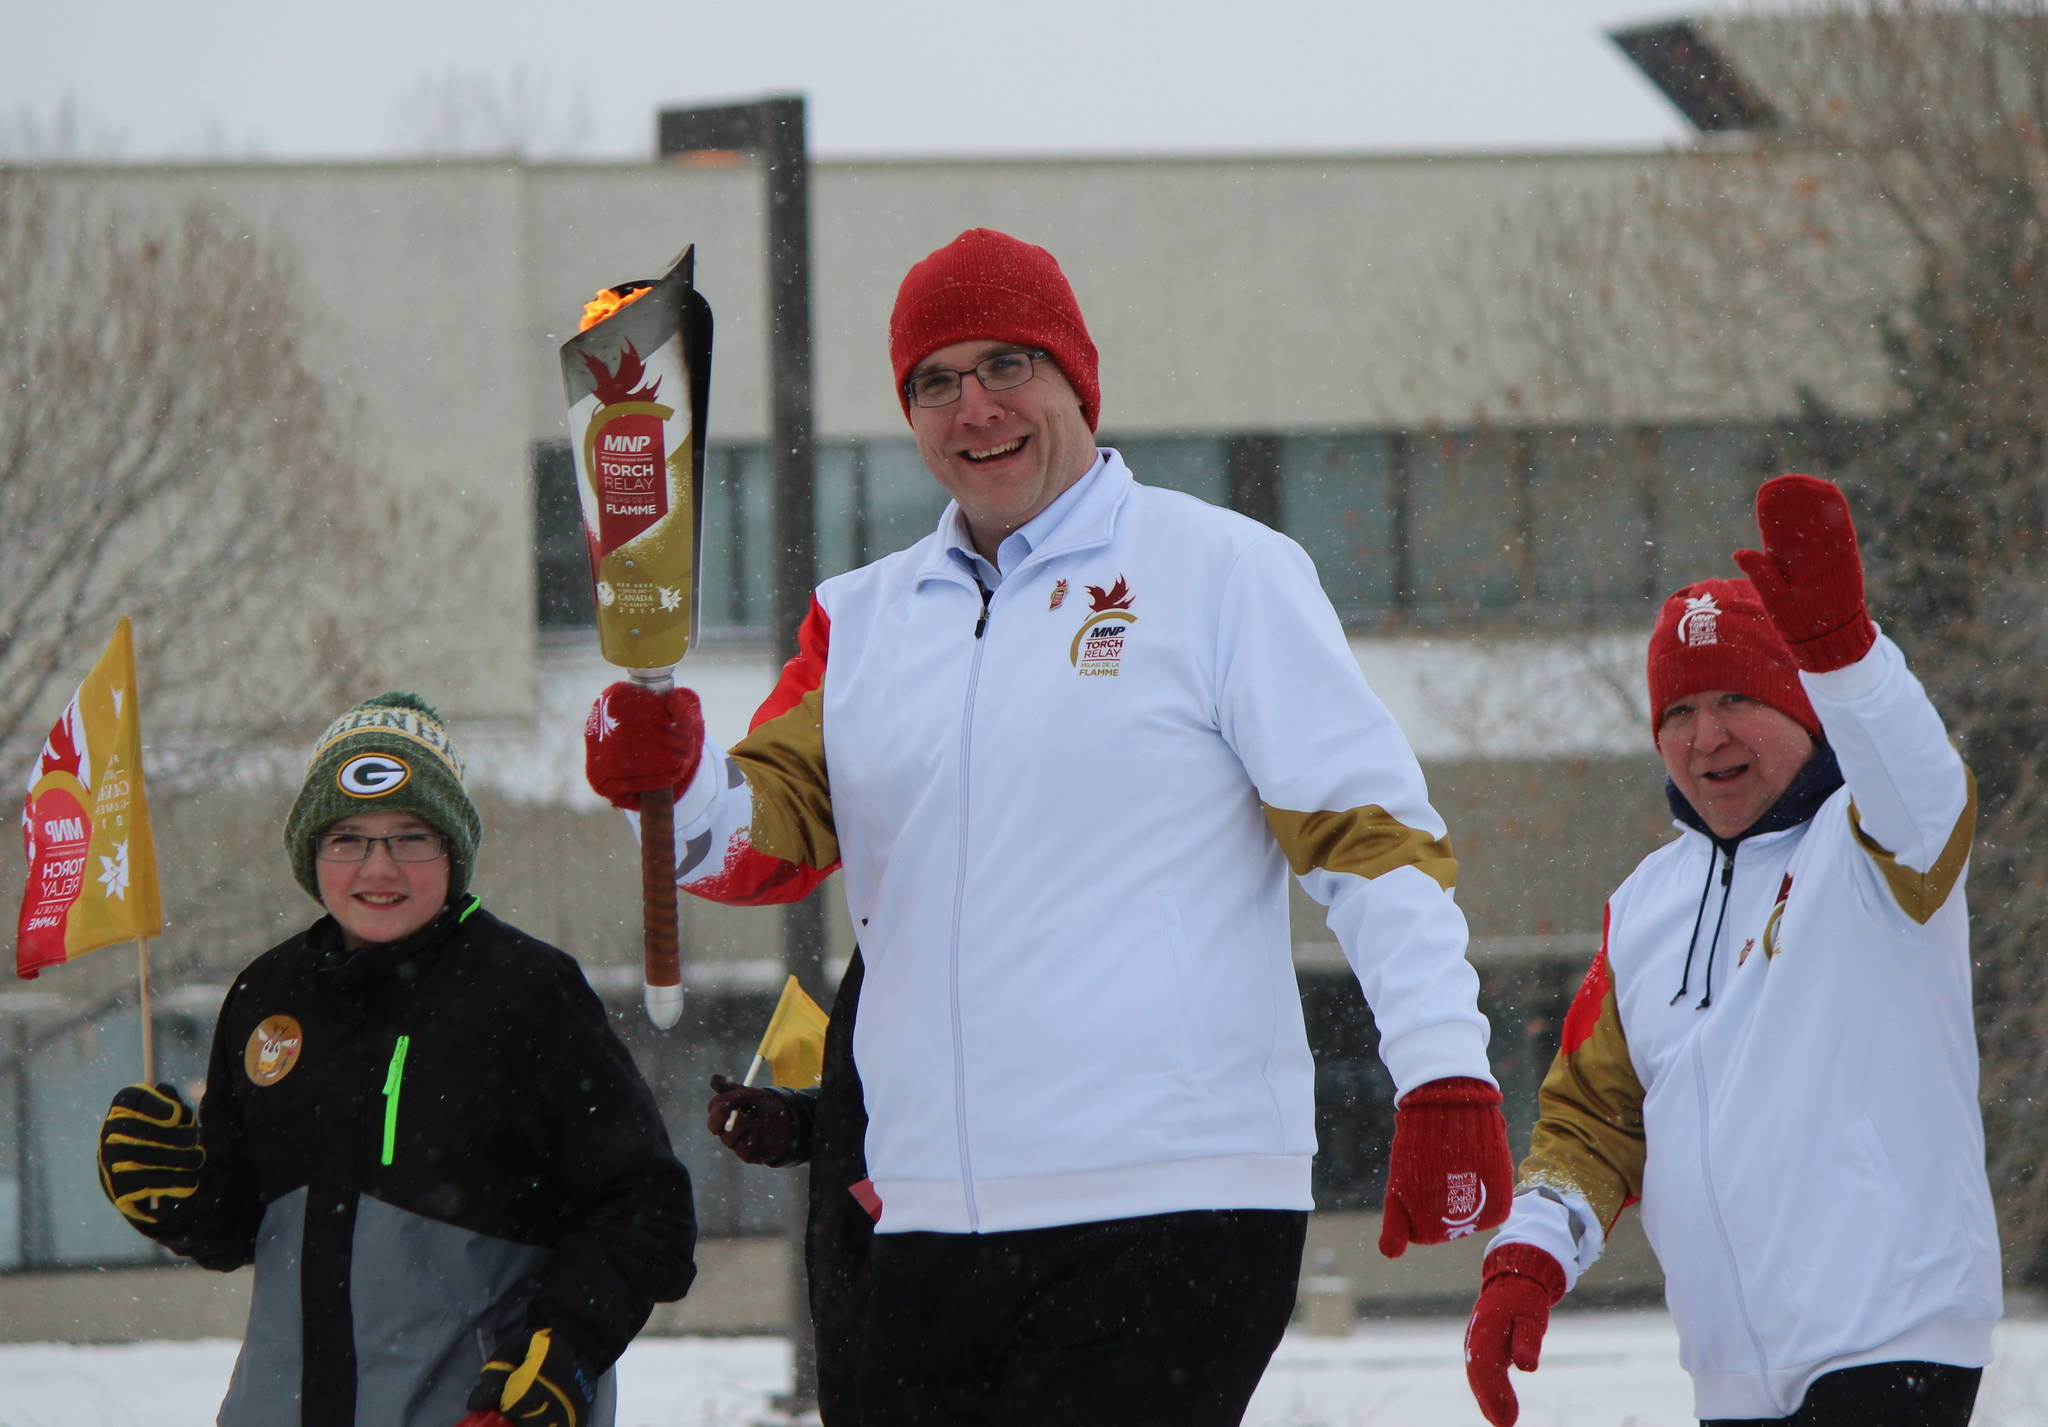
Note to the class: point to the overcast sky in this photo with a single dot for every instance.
(238, 77)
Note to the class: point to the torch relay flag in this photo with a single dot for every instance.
(91, 864)
(794, 1043)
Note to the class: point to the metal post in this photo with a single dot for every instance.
(773, 129)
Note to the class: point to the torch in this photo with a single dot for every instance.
(639, 469)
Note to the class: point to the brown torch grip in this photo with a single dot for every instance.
(658, 886)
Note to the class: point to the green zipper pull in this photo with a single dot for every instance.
(394, 1076)
(474, 903)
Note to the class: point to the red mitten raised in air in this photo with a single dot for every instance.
(638, 741)
(1809, 574)
(1449, 1173)
(1520, 1285)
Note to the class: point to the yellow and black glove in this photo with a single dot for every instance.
(149, 1151)
(536, 1380)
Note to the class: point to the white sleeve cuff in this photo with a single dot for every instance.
(1444, 1050)
(1853, 681)
(1560, 1223)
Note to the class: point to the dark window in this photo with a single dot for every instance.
(561, 556)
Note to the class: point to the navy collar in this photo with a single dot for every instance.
(1811, 786)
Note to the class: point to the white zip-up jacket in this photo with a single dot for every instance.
(1800, 1121)
(1066, 812)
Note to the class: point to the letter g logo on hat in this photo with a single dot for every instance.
(372, 775)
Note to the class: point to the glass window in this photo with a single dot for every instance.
(903, 501)
(1193, 464)
(738, 580)
(561, 556)
(61, 1219)
(1467, 496)
(1591, 502)
(724, 1026)
(1337, 498)
(1354, 1094)
(1705, 494)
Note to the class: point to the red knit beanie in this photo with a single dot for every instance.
(1715, 635)
(988, 286)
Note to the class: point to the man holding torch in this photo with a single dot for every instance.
(1067, 749)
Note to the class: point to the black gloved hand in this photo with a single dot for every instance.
(536, 1380)
(763, 1127)
(149, 1151)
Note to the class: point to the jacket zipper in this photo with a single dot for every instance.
(959, 914)
(394, 1079)
(1763, 1365)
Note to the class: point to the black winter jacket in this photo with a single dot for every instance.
(426, 1147)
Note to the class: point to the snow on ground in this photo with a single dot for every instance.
(1600, 1369)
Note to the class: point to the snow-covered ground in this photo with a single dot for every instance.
(1600, 1369)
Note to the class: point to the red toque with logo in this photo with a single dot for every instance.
(986, 286)
(1715, 635)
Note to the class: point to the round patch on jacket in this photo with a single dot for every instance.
(273, 1049)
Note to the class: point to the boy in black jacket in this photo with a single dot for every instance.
(418, 1125)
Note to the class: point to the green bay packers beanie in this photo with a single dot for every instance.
(390, 754)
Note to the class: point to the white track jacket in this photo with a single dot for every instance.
(1807, 1146)
(1066, 816)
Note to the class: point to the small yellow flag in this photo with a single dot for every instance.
(91, 864)
(794, 1043)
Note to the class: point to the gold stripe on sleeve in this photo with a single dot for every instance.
(1365, 841)
(784, 762)
(1589, 1127)
(1920, 894)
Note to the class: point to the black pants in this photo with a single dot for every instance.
(1882, 1395)
(1162, 1321)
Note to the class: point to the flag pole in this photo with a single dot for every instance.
(752, 1071)
(148, 1019)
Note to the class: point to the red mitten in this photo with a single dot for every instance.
(636, 741)
(1809, 574)
(1519, 1287)
(1449, 1173)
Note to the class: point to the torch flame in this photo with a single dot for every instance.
(608, 301)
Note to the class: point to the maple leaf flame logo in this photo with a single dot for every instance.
(1117, 596)
(64, 749)
(613, 387)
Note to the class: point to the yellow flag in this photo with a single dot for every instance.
(794, 1043)
(91, 863)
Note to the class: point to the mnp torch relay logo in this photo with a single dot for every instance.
(1464, 1202)
(1098, 646)
(626, 448)
(372, 775)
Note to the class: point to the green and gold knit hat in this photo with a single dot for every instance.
(390, 754)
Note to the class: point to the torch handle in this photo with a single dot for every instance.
(663, 972)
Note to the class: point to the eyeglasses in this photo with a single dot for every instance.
(403, 846)
(941, 385)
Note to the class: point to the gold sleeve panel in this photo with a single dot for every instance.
(1589, 1126)
(1365, 841)
(1920, 894)
(783, 759)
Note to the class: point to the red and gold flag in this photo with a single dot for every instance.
(91, 863)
